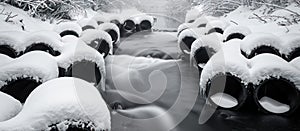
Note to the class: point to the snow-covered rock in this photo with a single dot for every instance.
(291, 42)
(68, 28)
(5, 59)
(256, 40)
(87, 23)
(60, 100)
(37, 65)
(198, 23)
(227, 60)
(90, 36)
(236, 32)
(296, 63)
(75, 51)
(211, 42)
(187, 37)
(47, 38)
(10, 107)
(218, 26)
(112, 29)
(100, 19)
(13, 39)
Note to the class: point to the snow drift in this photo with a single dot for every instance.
(64, 103)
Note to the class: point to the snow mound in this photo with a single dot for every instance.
(227, 60)
(216, 26)
(49, 38)
(90, 35)
(229, 33)
(68, 28)
(143, 17)
(12, 107)
(193, 14)
(290, 42)
(58, 100)
(255, 40)
(182, 27)
(265, 66)
(111, 26)
(193, 33)
(212, 41)
(198, 23)
(75, 50)
(14, 39)
(202, 21)
(87, 23)
(5, 60)
(296, 63)
(37, 65)
(100, 19)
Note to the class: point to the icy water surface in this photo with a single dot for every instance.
(164, 94)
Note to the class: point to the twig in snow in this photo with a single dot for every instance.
(260, 18)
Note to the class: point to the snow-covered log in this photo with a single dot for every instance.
(99, 40)
(62, 104)
(24, 74)
(276, 84)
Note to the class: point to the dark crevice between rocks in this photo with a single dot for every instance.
(20, 88)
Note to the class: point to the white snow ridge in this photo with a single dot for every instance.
(60, 102)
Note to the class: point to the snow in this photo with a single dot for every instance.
(193, 14)
(273, 106)
(265, 66)
(59, 100)
(90, 35)
(9, 38)
(75, 50)
(191, 32)
(236, 29)
(10, 107)
(68, 26)
(213, 41)
(5, 59)
(290, 42)
(110, 26)
(199, 21)
(47, 37)
(296, 63)
(182, 27)
(88, 22)
(100, 18)
(256, 40)
(227, 60)
(222, 24)
(224, 100)
(142, 17)
(38, 65)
